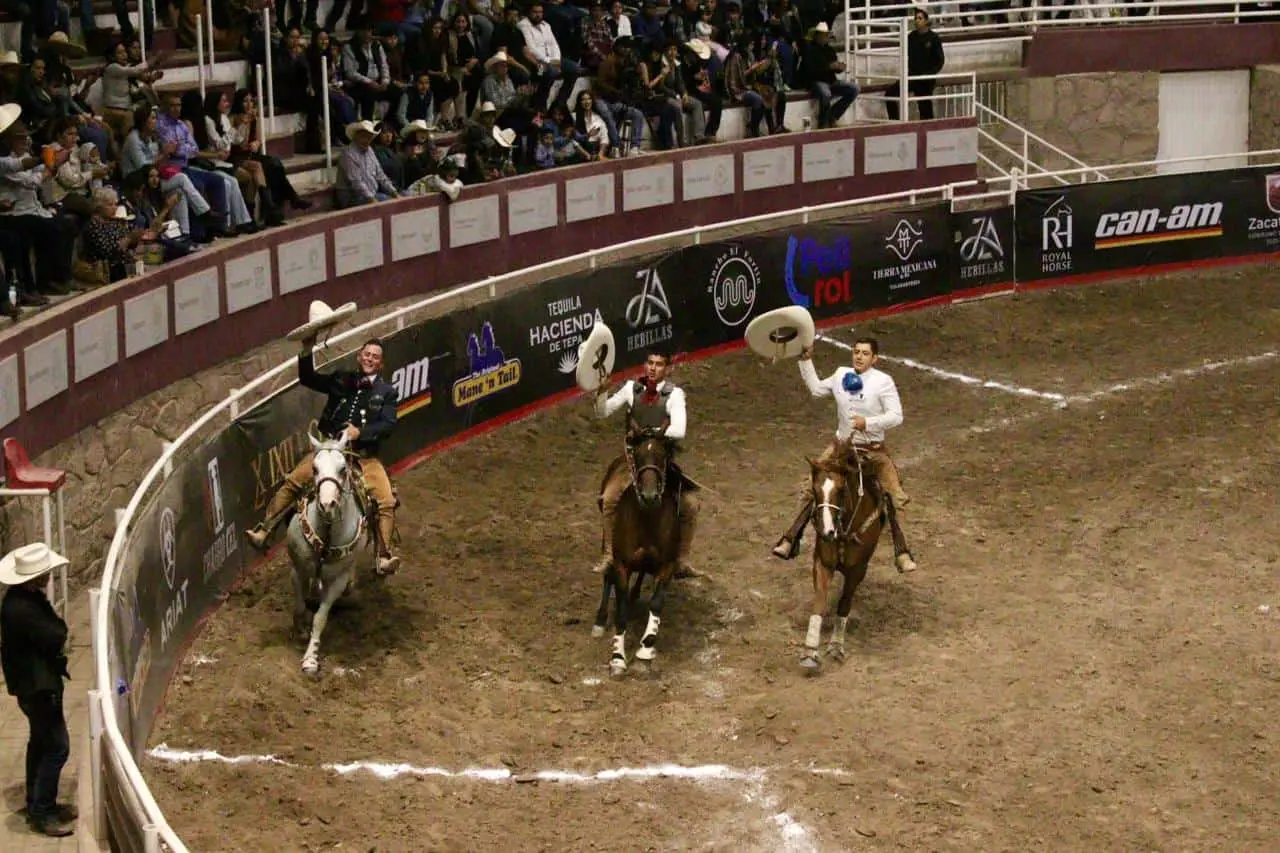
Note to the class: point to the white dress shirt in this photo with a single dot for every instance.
(540, 40)
(877, 401)
(625, 396)
(22, 187)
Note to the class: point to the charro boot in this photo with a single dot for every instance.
(788, 546)
(901, 554)
(388, 560)
(276, 510)
(608, 512)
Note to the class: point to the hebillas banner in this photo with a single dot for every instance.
(1116, 225)
(982, 252)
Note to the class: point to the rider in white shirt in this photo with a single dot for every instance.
(650, 402)
(867, 404)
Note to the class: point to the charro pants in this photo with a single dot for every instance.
(48, 747)
(299, 480)
(614, 488)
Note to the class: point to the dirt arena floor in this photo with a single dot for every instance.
(1087, 659)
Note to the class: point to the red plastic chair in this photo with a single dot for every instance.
(21, 474)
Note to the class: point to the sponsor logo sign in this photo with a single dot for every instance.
(735, 280)
(818, 273)
(649, 313)
(413, 386)
(169, 545)
(565, 325)
(1057, 237)
(1153, 225)
(901, 244)
(271, 466)
(981, 251)
(1263, 227)
(224, 533)
(490, 371)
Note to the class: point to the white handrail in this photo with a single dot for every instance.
(208, 18)
(324, 108)
(101, 639)
(200, 69)
(270, 106)
(1040, 140)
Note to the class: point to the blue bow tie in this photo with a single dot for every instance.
(852, 382)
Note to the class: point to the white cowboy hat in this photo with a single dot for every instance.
(821, 28)
(700, 48)
(595, 358)
(121, 212)
(28, 563)
(506, 138)
(8, 115)
(500, 56)
(321, 316)
(487, 107)
(781, 333)
(414, 126)
(65, 46)
(9, 57)
(365, 126)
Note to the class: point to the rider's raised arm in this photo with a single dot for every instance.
(817, 387)
(677, 417)
(307, 375)
(892, 405)
(623, 397)
(381, 422)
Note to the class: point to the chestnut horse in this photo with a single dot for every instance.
(646, 538)
(848, 515)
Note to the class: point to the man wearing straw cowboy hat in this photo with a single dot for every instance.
(362, 406)
(361, 179)
(32, 652)
(821, 67)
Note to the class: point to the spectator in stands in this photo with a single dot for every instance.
(820, 68)
(484, 17)
(342, 107)
(434, 62)
(38, 107)
(89, 25)
(142, 150)
(924, 56)
(117, 99)
(465, 63)
(737, 84)
(246, 146)
(549, 65)
(646, 26)
(569, 146)
(71, 180)
(360, 177)
(591, 127)
(384, 148)
(597, 37)
(417, 152)
(108, 237)
(656, 81)
(141, 90)
(676, 86)
(68, 92)
(415, 103)
(393, 47)
(364, 65)
(216, 132)
(699, 85)
(294, 90)
(678, 23)
(221, 189)
(21, 175)
(153, 207)
(565, 19)
(610, 95)
(767, 80)
(512, 103)
(618, 20)
(638, 92)
(486, 148)
(508, 38)
(786, 16)
(10, 71)
(444, 182)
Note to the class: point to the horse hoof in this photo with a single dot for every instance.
(597, 630)
(312, 670)
(811, 664)
(836, 653)
(617, 667)
(646, 653)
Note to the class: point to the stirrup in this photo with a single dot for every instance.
(792, 549)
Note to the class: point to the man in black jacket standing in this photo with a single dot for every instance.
(32, 641)
(363, 406)
(924, 56)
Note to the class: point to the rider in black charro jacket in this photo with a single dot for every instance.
(362, 405)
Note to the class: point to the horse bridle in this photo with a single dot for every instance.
(845, 531)
(661, 470)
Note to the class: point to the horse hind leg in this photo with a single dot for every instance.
(618, 658)
(311, 657)
(852, 578)
(602, 612)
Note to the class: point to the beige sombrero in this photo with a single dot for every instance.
(500, 56)
(321, 317)
(781, 333)
(356, 127)
(700, 48)
(28, 563)
(8, 115)
(506, 137)
(415, 126)
(9, 57)
(59, 43)
(596, 356)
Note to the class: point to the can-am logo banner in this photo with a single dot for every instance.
(1099, 227)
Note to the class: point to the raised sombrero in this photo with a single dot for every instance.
(781, 333)
(595, 358)
(9, 113)
(321, 317)
(28, 563)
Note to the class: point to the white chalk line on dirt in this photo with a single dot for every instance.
(1065, 400)
(795, 836)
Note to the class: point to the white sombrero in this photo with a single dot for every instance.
(357, 127)
(781, 333)
(28, 563)
(414, 127)
(504, 137)
(321, 317)
(595, 358)
(500, 56)
(700, 48)
(9, 113)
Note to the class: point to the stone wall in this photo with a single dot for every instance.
(1098, 118)
(1264, 108)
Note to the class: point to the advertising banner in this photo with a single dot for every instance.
(982, 252)
(1117, 225)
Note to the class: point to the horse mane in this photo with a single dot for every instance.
(836, 465)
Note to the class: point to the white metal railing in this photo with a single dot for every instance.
(208, 19)
(201, 71)
(1026, 162)
(324, 111)
(155, 825)
(51, 510)
(270, 105)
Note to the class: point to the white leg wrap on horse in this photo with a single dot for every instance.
(837, 632)
(620, 645)
(813, 636)
(651, 630)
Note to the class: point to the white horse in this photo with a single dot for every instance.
(321, 541)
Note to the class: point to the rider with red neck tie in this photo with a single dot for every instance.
(652, 402)
(867, 404)
(362, 406)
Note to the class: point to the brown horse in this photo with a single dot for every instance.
(848, 515)
(646, 538)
